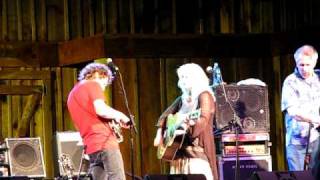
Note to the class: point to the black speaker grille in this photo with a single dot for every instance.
(248, 102)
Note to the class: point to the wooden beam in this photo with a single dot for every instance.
(28, 54)
(183, 46)
(81, 50)
(164, 45)
(20, 90)
(13, 74)
(17, 54)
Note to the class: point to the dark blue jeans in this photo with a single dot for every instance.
(107, 165)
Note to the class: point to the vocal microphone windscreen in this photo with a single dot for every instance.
(112, 65)
(109, 60)
(209, 69)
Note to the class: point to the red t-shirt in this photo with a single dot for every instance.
(95, 132)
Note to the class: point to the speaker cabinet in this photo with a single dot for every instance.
(290, 175)
(247, 166)
(248, 104)
(70, 154)
(175, 177)
(25, 157)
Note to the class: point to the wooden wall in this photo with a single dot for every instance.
(150, 83)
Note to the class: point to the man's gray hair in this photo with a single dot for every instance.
(306, 50)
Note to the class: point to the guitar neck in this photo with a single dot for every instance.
(193, 115)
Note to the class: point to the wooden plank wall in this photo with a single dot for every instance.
(150, 83)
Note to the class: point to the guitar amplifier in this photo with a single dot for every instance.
(249, 144)
(246, 150)
(70, 154)
(245, 137)
(248, 165)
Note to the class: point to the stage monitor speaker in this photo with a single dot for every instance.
(290, 175)
(25, 157)
(70, 154)
(175, 177)
(247, 102)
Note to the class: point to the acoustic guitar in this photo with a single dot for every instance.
(172, 141)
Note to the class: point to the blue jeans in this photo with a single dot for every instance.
(107, 165)
(296, 155)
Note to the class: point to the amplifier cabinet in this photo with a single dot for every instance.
(247, 102)
(248, 165)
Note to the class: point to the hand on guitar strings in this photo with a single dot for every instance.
(182, 129)
(189, 122)
(124, 123)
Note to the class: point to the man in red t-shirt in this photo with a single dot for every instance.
(93, 117)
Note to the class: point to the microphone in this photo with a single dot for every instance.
(216, 74)
(209, 69)
(112, 66)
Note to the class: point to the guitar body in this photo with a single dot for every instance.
(171, 141)
(116, 128)
(168, 152)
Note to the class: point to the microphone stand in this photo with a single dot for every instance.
(307, 156)
(81, 162)
(235, 123)
(236, 126)
(133, 127)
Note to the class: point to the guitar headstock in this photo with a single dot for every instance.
(67, 164)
